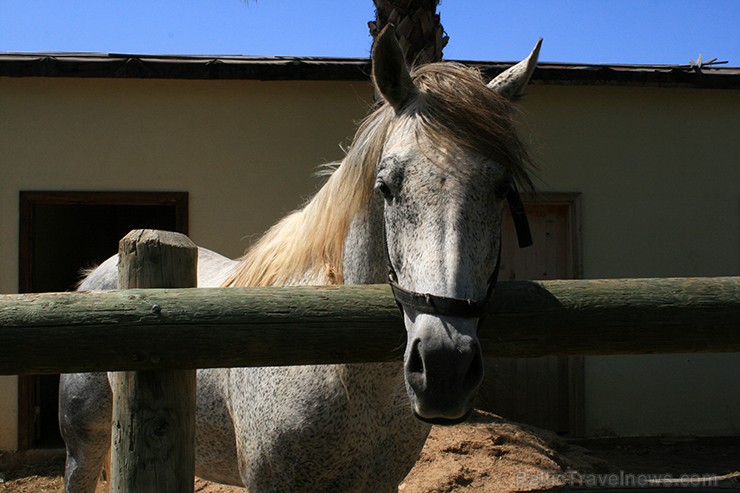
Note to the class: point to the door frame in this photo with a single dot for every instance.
(569, 369)
(27, 201)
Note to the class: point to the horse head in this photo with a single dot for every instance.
(450, 160)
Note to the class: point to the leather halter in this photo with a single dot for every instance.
(458, 307)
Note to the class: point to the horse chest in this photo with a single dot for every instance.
(309, 427)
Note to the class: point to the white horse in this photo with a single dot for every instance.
(419, 193)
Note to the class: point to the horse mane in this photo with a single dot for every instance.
(452, 106)
(308, 243)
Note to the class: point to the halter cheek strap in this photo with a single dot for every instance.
(458, 307)
(519, 215)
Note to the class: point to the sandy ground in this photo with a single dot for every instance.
(490, 454)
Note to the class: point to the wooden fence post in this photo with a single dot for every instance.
(154, 411)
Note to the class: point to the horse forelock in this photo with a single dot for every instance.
(452, 106)
(456, 109)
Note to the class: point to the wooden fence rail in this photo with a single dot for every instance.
(202, 328)
(154, 337)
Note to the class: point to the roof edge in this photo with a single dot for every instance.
(103, 65)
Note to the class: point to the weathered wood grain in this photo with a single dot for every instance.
(189, 328)
(153, 426)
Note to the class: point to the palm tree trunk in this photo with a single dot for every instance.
(418, 28)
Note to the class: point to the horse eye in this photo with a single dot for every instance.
(382, 187)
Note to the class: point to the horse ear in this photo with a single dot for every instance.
(512, 82)
(390, 73)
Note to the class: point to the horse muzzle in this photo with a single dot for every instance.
(443, 368)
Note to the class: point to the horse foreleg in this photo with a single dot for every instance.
(85, 409)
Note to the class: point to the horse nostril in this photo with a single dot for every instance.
(415, 363)
(414, 368)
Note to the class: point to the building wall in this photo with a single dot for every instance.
(244, 150)
(657, 170)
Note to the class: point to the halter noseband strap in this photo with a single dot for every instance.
(436, 305)
(458, 307)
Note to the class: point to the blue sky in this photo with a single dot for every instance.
(588, 31)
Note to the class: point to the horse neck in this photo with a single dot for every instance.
(365, 262)
(364, 256)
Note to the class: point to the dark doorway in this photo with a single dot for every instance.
(62, 233)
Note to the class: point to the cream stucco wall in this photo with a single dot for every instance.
(8, 413)
(659, 173)
(657, 169)
(244, 150)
